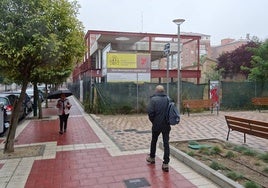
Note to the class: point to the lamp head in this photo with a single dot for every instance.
(178, 21)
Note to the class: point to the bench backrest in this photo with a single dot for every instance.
(260, 100)
(253, 127)
(198, 103)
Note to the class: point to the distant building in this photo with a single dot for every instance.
(190, 52)
(227, 45)
(206, 68)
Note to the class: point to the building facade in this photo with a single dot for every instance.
(97, 65)
(132, 48)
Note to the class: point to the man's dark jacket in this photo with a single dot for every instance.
(157, 112)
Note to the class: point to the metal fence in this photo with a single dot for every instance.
(238, 95)
(134, 98)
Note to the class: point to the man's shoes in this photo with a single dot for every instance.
(165, 167)
(150, 160)
(65, 130)
(61, 132)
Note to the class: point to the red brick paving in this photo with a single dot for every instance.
(78, 132)
(96, 168)
(89, 167)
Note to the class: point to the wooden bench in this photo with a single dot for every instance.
(247, 126)
(260, 101)
(198, 104)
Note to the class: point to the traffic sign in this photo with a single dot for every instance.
(167, 49)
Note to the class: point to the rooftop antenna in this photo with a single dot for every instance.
(141, 21)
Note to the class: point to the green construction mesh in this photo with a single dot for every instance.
(134, 98)
(238, 95)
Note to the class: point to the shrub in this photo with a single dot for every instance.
(265, 170)
(191, 153)
(264, 157)
(216, 166)
(205, 151)
(234, 176)
(249, 152)
(240, 148)
(251, 184)
(230, 154)
(216, 150)
(125, 109)
(229, 145)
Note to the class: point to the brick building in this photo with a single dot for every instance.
(227, 45)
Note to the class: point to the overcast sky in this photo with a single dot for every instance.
(217, 18)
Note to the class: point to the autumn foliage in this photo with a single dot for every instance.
(230, 63)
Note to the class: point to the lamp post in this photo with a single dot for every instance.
(178, 22)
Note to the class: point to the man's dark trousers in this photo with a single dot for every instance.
(165, 135)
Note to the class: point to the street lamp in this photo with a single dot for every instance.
(178, 22)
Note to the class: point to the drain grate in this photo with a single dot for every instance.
(136, 183)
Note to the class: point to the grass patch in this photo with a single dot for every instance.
(264, 157)
(249, 152)
(205, 151)
(191, 153)
(216, 166)
(265, 170)
(231, 160)
(251, 184)
(230, 154)
(234, 176)
(216, 150)
(240, 149)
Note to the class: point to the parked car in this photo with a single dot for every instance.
(8, 101)
(30, 92)
(27, 103)
(4, 125)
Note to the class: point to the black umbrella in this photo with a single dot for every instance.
(57, 94)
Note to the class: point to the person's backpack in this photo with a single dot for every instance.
(173, 116)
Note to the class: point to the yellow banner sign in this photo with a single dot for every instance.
(121, 60)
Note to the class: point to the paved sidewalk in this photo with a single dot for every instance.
(131, 132)
(106, 151)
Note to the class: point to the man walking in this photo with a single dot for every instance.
(157, 109)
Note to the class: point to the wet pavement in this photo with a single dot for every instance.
(110, 151)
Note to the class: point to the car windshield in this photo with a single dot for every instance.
(3, 100)
(12, 98)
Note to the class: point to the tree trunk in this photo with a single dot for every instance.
(9, 144)
(35, 97)
(10, 140)
(40, 109)
(46, 94)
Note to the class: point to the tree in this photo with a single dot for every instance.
(213, 75)
(259, 71)
(52, 75)
(231, 62)
(35, 36)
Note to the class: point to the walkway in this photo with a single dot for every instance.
(105, 152)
